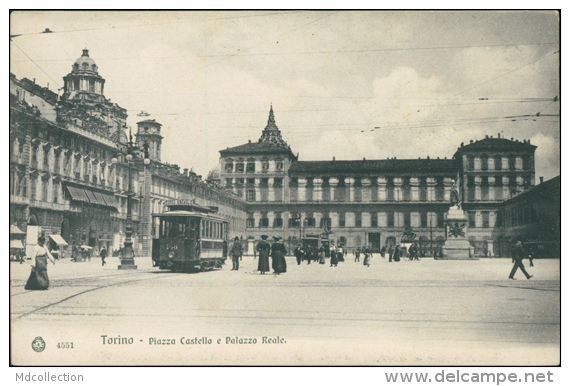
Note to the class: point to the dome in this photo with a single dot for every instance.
(85, 63)
(214, 174)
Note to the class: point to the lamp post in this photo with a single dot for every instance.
(127, 255)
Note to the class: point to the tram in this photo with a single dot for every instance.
(189, 237)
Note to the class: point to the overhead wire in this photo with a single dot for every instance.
(49, 31)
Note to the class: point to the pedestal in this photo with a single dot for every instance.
(457, 246)
(127, 264)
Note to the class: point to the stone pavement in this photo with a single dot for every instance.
(420, 312)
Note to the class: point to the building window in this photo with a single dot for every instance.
(325, 220)
(251, 167)
(390, 216)
(407, 219)
(341, 219)
(390, 190)
(264, 166)
(250, 222)
(239, 167)
(470, 163)
(279, 165)
(472, 216)
(44, 190)
(374, 219)
(251, 181)
(485, 216)
(229, 167)
(278, 221)
(358, 220)
(294, 220)
(264, 221)
(484, 163)
(228, 182)
(250, 195)
(278, 182)
(310, 220)
(423, 219)
(55, 191)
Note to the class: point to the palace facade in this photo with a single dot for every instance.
(373, 201)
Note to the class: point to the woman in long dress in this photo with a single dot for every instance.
(39, 279)
(322, 254)
(278, 252)
(367, 256)
(334, 256)
(263, 248)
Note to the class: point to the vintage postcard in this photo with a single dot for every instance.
(285, 187)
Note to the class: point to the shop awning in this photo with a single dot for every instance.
(16, 244)
(58, 240)
(91, 196)
(86, 194)
(111, 200)
(99, 198)
(77, 194)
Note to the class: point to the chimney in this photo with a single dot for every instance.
(498, 135)
(541, 179)
(186, 172)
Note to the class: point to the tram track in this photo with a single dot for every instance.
(87, 291)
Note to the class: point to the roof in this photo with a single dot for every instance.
(490, 143)
(151, 121)
(185, 213)
(548, 190)
(253, 148)
(364, 166)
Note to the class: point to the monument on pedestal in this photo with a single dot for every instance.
(456, 245)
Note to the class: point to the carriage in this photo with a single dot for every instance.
(189, 237)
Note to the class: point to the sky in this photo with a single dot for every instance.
(348, 84)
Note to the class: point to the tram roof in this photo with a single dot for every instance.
(186, 213)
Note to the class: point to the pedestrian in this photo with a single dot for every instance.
(341, 253)
(383, 252)
(299, 254)
(103, 255)
(413, 251)
(390, 253)
(263, 247)
(309, 253)
(357, 255)
(396, 253)
(518, 256)
(236, 253)
(367, 256)
(322, 253)
(334, 256)
(278, 252)
(39, 279)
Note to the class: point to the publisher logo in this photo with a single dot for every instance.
(38, 344)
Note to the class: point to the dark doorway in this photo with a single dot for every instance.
(374, 239)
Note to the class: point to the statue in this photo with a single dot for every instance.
(408, 235)
(454, 196)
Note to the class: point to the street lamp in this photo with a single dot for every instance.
(127, 255)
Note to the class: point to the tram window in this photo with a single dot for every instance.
(203, 232)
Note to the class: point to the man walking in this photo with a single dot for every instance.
(103, 255)
(357, 254)
(390, 253)
(299, 254)
(518, 256)
(236, 253)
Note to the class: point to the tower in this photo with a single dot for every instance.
(149, 138)
(83, 103)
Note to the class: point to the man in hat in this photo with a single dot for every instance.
(263, 247)
(518, 256)
(299, 254)
(278, 252)
(103, 255)
(236, 253)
